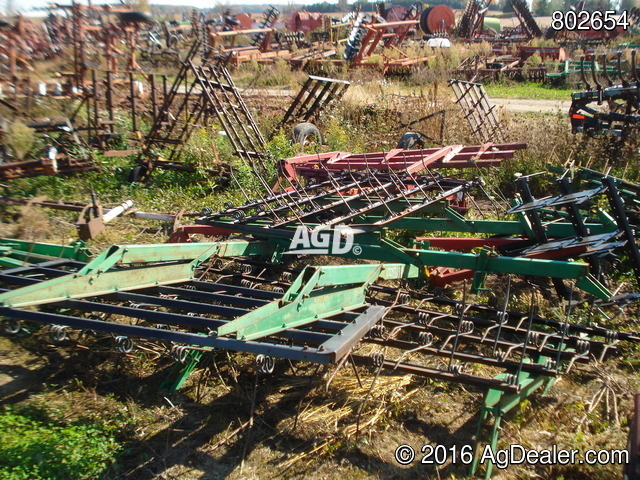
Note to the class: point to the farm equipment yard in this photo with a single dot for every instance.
(398, 241)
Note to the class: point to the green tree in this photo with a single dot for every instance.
(627, 5)
(544, 8)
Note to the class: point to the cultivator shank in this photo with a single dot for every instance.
(612, 108)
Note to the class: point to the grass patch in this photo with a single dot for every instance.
(33, 447)
(537, 91)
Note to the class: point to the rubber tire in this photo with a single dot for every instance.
(424, 21)
(135, 17)
(410, 140)
(172, 42)
(302, 132)
(138, 173)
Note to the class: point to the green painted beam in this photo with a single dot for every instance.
(98, 277)
(302, 311)
(316, 293)
(373, 247)
(499, 403)
(416, 260)
(516, 265)
(171, 252)
(10, 262)
(489, 227)
(101, 283)
(46, 251)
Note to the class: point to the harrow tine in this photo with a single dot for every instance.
(582, 349)
(593, 73)
(565, 328)
(332, 376)
(503, 315)
(583, 75)
(605, 70)
(528, 332)
(425, 341)
(459, 330)
(623, 80)
(415, 180)
(307, 390)
(378, 361)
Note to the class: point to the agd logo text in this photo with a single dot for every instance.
(323, 240)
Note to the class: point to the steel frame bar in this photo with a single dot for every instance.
(98, 277)
(329, 346)
(35, 252)
(380, 249)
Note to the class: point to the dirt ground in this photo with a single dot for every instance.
(530, 105)
(300, 429)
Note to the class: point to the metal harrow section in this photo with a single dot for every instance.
(593, 218)
(420, 334)
(270, 16)
(240, 295)
(472, 18)
(478, 111)
(320, 315)
(201, 93)
(339, 201)
(371, 31)
(507, 354)
(321, 166)
(575, 206)
(608, 104)
(197, 314)
(472, 24)
(347, 189)
(367, 202)
(197, 94)
(437, 338)
(314, 96)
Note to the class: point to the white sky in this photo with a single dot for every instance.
(26, 5)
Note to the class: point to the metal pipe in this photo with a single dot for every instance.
(115, 211)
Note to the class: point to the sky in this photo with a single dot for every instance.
(25, 5)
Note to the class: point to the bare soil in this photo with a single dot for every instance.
(300, 429)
